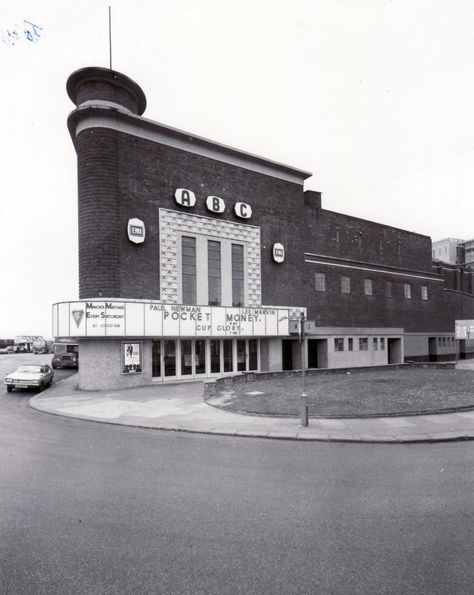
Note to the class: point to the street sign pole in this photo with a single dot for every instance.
(304, 396)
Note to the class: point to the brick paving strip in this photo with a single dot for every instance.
(180, 407)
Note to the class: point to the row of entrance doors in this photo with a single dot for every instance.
(180, 359)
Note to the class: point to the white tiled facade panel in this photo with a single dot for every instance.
(174, 223)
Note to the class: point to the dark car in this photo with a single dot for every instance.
(30, 376)
(65, 355)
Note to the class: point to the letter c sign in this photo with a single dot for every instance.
(215, 204)
(243, 210)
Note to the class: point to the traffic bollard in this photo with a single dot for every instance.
(304, 410)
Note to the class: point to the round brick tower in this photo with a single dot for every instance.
(106, 103)
(93, 85)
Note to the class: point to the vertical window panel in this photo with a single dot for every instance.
(188, 269)
(237, 275)
(214, 272)
(215, 356)
(345, 284)
(253, 354)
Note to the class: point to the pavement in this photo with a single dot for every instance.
(180, 407)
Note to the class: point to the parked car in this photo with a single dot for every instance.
(30, 376)
(3, 350)
(10, 349)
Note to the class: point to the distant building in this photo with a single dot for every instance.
(469, 253)
(449, 250)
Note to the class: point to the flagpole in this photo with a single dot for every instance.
(110, 37)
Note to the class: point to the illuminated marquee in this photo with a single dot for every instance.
(103, 318)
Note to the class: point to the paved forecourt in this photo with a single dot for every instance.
(180, 407)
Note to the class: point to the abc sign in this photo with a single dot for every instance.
(278, 252)
(187, 198)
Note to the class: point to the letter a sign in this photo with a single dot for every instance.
(185, 198)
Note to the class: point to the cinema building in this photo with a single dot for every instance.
(198, 260)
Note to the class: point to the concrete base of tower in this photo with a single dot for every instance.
(102, 364)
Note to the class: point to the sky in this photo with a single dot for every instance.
(374, 97)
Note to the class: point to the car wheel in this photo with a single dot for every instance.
(9, 389)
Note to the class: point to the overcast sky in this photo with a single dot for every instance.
(375, 97)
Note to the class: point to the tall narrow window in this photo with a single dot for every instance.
(214, 272)
(368, 287)
(345, 284)
(237, 275)
(389, 289)
(320, 281)
(424, 292)
(407, 290)
(188, 252)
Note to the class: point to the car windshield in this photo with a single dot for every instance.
(65, 348)
(31, 369)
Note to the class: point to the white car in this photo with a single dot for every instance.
(30, 376)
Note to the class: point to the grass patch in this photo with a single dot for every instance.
(358, 394)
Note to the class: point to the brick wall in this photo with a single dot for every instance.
(342, 236)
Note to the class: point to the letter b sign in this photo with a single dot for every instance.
(215, 204)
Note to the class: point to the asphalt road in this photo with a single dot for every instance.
(91, 508)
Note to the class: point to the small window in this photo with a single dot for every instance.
(363, 344)
(375, 343)
(389, 289)
(350, 344)
(320, 281)
(345, 284)
(444, 341)
(424, 292)
(368, 287)
(338, 344)
(407, 290)
(439, 341)
(382, 343)
(338, 235)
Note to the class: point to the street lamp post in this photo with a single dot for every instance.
(304, 396)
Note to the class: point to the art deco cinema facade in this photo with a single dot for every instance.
(197, 260)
